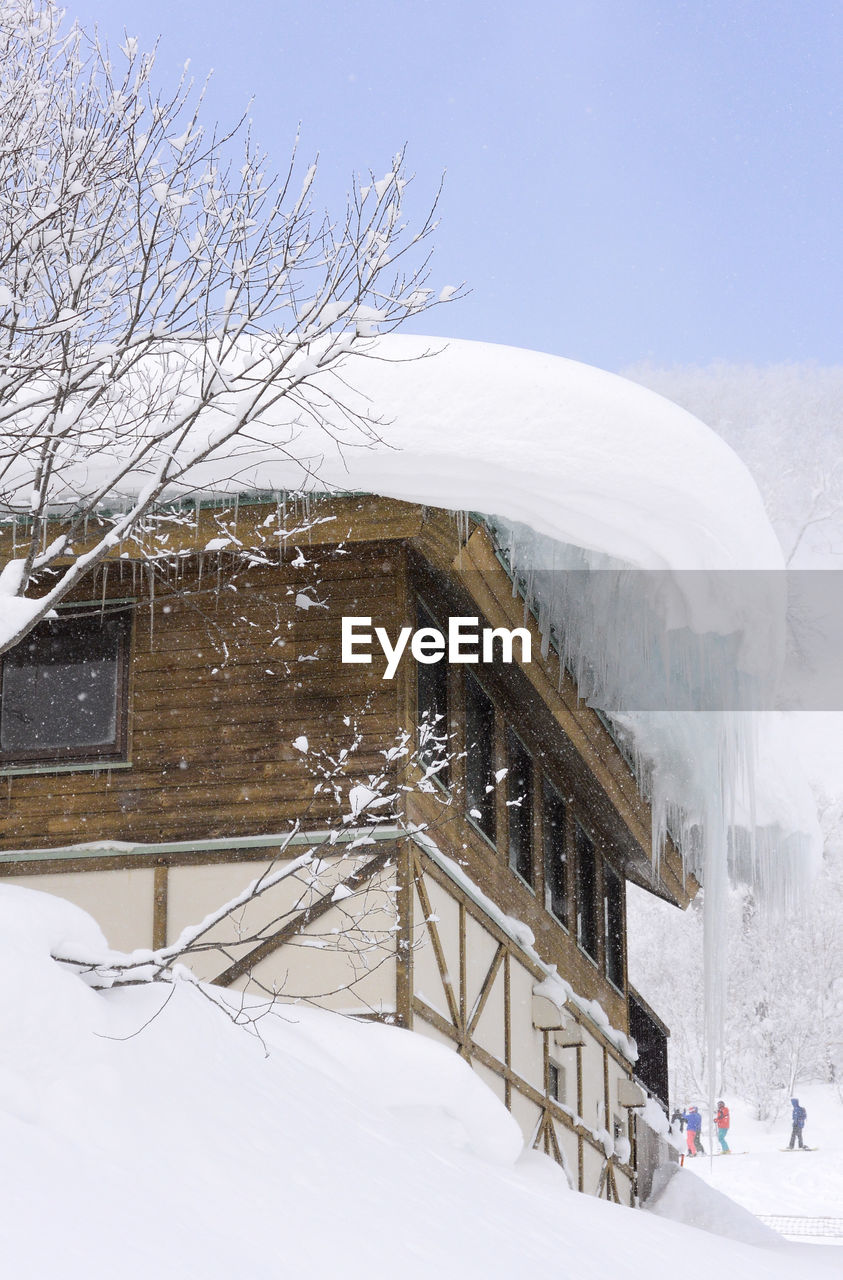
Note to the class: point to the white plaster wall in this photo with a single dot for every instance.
(527, 1042)
(423, 1028)
(493, 1081)
(427, 980)
(197, 891)
(446, 912)
(120, 901)
(344, 959)
(569, 1147)
(624, 1186)
(593, 1160)
(593, 1108)
(526, 1113)
(490, 1031)
(480, 949)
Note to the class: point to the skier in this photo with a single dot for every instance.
(721, 1120)
(800, 1115)
(678, 1117)
(694, 1122)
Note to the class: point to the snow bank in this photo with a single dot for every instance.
(679, 1195)
(144, 1133)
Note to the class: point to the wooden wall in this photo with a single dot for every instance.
(231, 662)
(229, 666)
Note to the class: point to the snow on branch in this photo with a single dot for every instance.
(158, 294)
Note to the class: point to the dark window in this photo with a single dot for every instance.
(555, 854)
(64, 690)
(480, 757)
(520, 807)
(613, 924)
(432, 707)
(586, 894)
(556, 1082)
(651, 1067)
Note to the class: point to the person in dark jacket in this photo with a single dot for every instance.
(678, 1117)
(693, 1119)
(721, 1120)
(800, 1115)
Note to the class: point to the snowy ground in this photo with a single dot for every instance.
(767, 1180)
(179, 1145)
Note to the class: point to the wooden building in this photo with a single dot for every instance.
(189, 718)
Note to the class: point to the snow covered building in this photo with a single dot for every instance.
(190, 716)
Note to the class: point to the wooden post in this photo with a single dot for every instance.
(404, 936)
(159, 906)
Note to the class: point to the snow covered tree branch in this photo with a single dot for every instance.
(156, 298)
(337, 871)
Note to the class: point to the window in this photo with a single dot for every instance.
(63, 692)
(556, 1081)
(586, 894)
(555, 854)
(520, 807)
(613, 924)
(480, 757)
(651, 1038)
(432, 707)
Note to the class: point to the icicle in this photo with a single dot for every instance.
(280, 515)
(150, 573)
(104, 586)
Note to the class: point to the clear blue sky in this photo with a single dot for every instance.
(626, 179)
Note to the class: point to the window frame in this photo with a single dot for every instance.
(525, 811)
(586, 895)
(90, 616)
(613, 939)
(558, 1070)
(440, 673)
(490, 796)
(553, 797)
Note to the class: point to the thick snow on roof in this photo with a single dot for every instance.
(578, 469)
(579, 454)
(575, 468)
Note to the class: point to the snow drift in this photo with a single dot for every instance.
(144, 1133)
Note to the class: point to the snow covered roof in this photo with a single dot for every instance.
(581, 455)
(574, 468)
(578, 469)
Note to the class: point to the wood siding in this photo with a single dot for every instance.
(227, 671)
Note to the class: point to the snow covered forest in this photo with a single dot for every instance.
(783, 1021)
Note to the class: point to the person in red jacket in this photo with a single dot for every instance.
(721, 1120)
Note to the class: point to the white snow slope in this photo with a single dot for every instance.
(144, 1134)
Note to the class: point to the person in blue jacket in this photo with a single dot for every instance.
(800, 1115)
(693, 1120)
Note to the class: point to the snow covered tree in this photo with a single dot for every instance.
(157, 297)
(317, 892)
